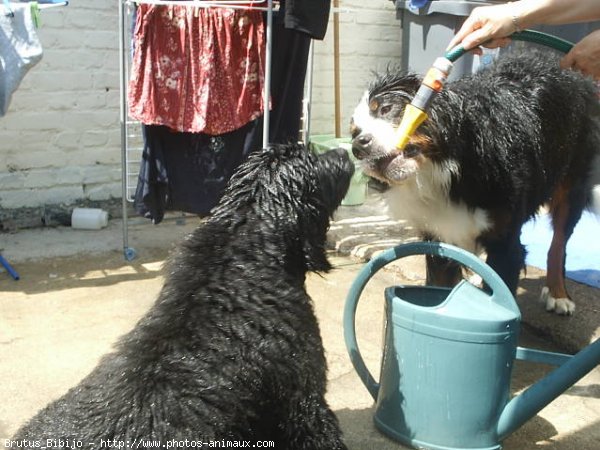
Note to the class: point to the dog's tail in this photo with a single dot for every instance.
(593, 141)
(594, 204)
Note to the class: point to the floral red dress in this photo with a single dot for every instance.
(197, 69)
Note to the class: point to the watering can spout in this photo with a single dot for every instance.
(524, 406)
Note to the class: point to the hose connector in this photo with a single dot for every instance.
(411, 120)
(416, 112)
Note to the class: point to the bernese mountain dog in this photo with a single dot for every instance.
(497, 146)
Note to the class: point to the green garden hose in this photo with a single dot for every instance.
(536, 37)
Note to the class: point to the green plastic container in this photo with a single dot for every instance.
(357, 192)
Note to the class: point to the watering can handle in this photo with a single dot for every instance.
(500, 292)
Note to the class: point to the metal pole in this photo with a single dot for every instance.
(336, 68)
(309, 90)
(267, 87)
(123, 120)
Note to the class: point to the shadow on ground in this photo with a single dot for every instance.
(67, 272)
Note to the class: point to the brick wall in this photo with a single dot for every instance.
(369, 41)
(60, 140)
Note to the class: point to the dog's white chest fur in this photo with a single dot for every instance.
(423, 201)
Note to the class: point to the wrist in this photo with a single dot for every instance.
(523, 13)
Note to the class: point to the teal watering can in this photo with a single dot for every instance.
(448, 357)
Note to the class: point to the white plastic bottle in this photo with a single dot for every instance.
(89, 218)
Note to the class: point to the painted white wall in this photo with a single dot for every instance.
(60, 139)
(369, 41)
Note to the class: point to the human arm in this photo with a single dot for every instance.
(491, 26)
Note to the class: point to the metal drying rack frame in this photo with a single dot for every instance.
(263, 5)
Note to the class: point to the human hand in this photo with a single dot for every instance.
(585, 56)
(488, 26)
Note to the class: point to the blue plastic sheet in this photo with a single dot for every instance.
(583, 248)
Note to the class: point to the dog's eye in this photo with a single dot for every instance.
(384, 110)
(410, 151)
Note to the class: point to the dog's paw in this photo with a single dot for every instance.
(561, 306)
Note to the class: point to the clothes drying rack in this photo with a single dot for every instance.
(130, 139)
(5, 8)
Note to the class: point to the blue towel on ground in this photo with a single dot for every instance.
(583, 248)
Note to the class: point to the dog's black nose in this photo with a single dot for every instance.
(361, 145)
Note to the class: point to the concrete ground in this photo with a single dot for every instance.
(77, 295)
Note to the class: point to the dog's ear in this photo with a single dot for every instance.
(312, 214)
(289, 195)
(314, 242)
(332, 173)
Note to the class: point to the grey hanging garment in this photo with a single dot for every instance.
(20, 49)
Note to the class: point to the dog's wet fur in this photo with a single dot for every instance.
(497, 145)
(231, 350)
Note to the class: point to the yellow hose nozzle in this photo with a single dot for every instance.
(412, 118)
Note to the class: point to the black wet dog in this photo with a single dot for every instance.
(231, 350)
(496, 146)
